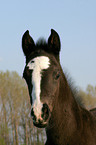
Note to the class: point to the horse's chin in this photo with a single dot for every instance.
(40, 125)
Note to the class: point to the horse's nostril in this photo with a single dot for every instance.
(45, 108)
(32, 112)
(33, 115)
(45, 112)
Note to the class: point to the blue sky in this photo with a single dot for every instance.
(75, 22)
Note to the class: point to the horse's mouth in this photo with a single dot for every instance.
(40, 125)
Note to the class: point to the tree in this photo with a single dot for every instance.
(16, 126)
(89, 96)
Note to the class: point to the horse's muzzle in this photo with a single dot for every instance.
(43, 118)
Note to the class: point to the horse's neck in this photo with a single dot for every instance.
(63, 118)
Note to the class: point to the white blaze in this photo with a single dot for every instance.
(37, 65)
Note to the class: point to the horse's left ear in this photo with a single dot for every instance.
(27, 44)
(54, 43)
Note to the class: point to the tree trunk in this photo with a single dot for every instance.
(13, 133)
(26, 133)
(16, 132)
(38, 137)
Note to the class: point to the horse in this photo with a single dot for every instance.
(53, 105)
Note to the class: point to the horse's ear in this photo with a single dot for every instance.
(27, 44)
(54, 42)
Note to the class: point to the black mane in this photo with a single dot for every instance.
(74, 89)
(41, 43)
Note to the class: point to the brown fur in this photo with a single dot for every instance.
(68, 122)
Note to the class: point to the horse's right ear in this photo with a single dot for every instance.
(54, 42)
(27, 44)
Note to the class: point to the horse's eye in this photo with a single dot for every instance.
(57, 76)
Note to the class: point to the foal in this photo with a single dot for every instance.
(53, 104)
